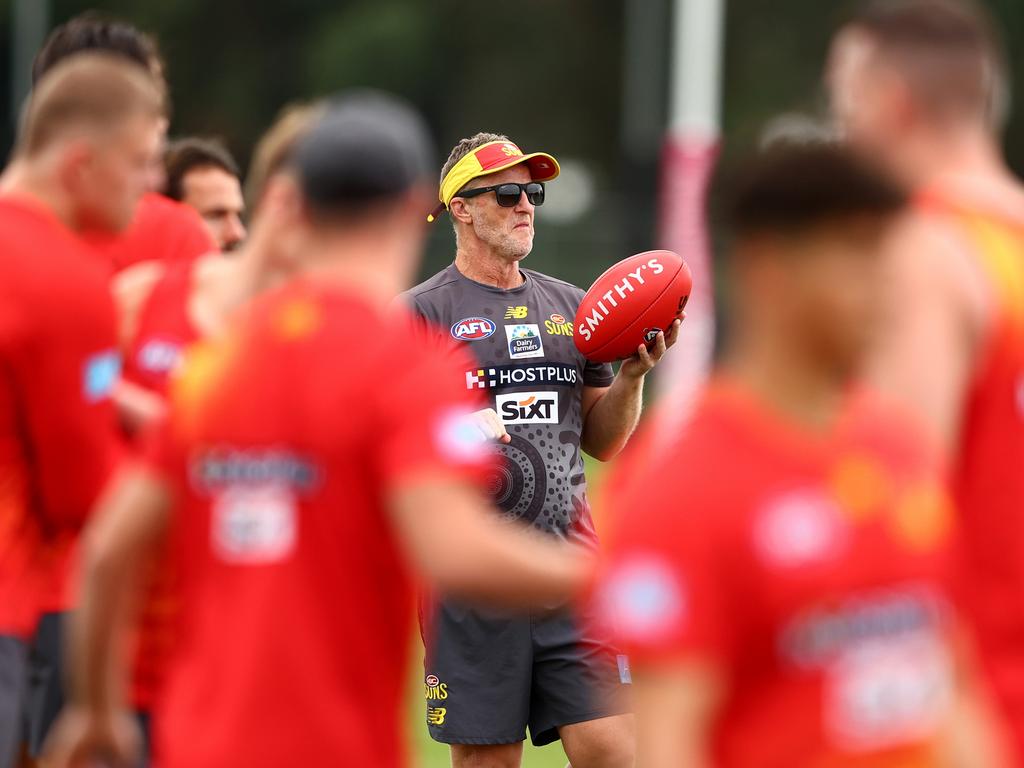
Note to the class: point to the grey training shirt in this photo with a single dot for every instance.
(533, 374)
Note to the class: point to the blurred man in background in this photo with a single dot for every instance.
(920, 85)
(91, 132)
(777, 576)
(162, 229)
(202, 174)
(165, 308)
(249, 474)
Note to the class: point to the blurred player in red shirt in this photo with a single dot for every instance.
(165, 308)
(161, 229)
(921, 86)
(295, 477)
(90, 133)
(202, 174)
(777, 576)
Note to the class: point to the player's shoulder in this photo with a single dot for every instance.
(432, 285)
(555, 283)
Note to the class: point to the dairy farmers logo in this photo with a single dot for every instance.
(524, 341)
(528, 408)
(473, 329)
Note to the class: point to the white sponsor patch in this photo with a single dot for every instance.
(644, 599)
(528, 408)
(254, 524)
(799, 528)
(524, 341)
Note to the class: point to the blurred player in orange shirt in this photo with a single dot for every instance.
(89, 136)
(162, 229)
(921, 86)
(165, 308)
(202, 174)
(300, 504)
(777, 574)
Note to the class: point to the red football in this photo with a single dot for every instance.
(630, 303)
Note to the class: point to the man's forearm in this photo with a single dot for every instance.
(613, 418)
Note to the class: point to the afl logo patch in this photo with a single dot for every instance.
(473, 329)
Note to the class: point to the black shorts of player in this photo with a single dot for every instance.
(489, 676)
(45, 696)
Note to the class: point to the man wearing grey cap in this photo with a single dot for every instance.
(298, 492)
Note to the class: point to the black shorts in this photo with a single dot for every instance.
(489, 677)
(45, 695)
(13, 682)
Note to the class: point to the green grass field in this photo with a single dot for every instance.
(428, 753)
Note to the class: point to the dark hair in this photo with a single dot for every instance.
(794, 188)
(91, 31)
(949, 51)
(368, 149)
(187, 154)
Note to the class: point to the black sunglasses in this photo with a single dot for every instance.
(508, 194)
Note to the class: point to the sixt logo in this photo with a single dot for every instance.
(473, 329)
(528, 408)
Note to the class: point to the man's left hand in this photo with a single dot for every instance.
(639, 365)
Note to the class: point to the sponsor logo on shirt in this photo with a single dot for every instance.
(473, 329)
(528, 408)
(159, 356)
(254, 524)
(100, 374)
(436, 715)
(800, 528)
(558, 374)
(223, 467)
(434, 689)
(643, 598)
(887, 670)
(524, 341)
(557, 325)
(458, 439)
(620, 292)
(516, 313)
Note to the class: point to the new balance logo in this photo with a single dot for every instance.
(516, 313)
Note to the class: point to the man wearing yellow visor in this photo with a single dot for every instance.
(490, 675)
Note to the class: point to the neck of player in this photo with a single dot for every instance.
(479, 262)
(789, 379)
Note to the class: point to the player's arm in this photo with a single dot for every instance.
(675, 704)
(974, 736)
(129, 521)
(610, 414)
(924, 359)
(453, 536)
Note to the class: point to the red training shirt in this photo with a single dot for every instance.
(285, 440)
(58, 440)
(988, 470)
(809, 568)
(162, 230)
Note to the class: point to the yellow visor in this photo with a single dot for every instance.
(490, 158)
